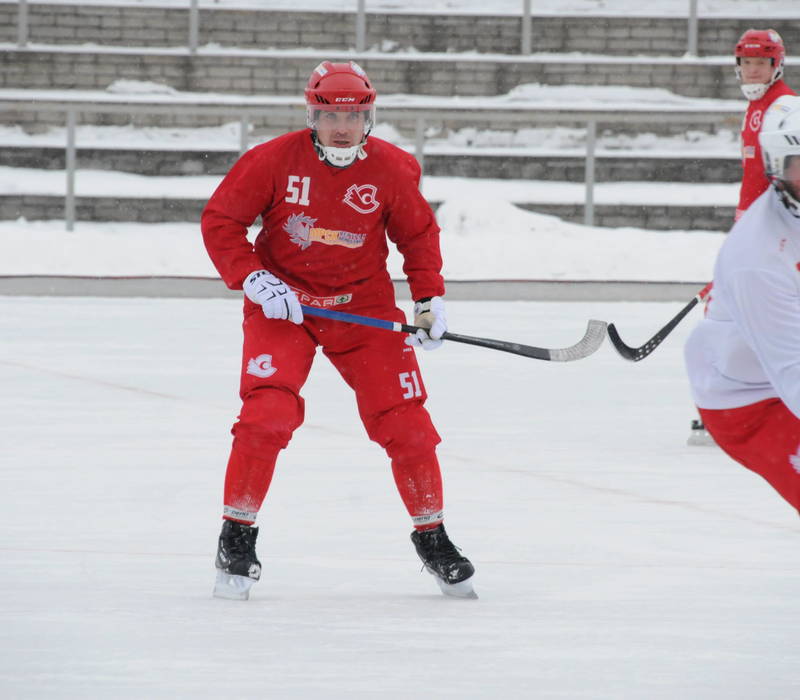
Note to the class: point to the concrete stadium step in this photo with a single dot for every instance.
(261, 72)
(153, 210)
(505, 164)
(154, 25)
(621, 110)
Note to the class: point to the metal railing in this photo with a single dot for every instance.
(421, 117)
(526, 26)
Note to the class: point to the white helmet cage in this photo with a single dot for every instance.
(780, 141)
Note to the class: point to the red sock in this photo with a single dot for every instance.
(247, 481)
(419, 482)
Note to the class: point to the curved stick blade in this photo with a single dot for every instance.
(624, 350)
(589, 344)
(636, 354)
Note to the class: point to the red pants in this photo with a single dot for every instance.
(765, 438)
(378, 366)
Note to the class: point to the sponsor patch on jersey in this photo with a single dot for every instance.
(323, 302)
(755, 120)
(749, 152)
(302, 231)
(363, 198)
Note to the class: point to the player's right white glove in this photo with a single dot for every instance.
(275, 298)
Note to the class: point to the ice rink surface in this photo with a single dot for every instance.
(613, 561)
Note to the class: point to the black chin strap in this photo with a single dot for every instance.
(317, 145)
(789, 200)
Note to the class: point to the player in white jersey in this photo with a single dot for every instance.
(743, 358)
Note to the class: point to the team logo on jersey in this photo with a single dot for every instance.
(755, 120)
(302, 231)
(261, 366)
(363, 198)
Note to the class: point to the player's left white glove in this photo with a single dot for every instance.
(428, 313)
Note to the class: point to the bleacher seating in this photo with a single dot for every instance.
(75, 52)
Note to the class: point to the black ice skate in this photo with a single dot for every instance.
(237, 565)
(442, 558)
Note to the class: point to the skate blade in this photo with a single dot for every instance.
(462, 589)
(232, 587)
(700, 440)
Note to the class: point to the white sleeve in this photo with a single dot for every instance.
(767, 313)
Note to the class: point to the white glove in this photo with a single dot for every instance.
(428, 313)
(274, 297)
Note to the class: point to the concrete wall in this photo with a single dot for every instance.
(394, 71)
(155, 26)
(286, 75)
(556, 167)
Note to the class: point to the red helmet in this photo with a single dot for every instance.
(760, 43)
(766, 43)
(340, 87)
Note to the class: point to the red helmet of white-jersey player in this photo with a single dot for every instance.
(760, 43)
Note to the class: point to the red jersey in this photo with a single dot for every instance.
(324, 229)
(754, 180)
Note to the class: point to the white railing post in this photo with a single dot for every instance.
(526, 27)
(194, 25)
(692, 47)
(244, 127)
(22, 24)
(588, 206)
(419, 145)
(69, 162)
(361, 26)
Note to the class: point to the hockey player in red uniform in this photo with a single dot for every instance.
(743, 358)
(760, 55)
(329, 197)
(759, 66)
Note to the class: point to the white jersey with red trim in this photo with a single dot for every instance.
(747, 348)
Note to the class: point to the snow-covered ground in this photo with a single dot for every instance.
(484, 237)
(613, 561)
(526, 141)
